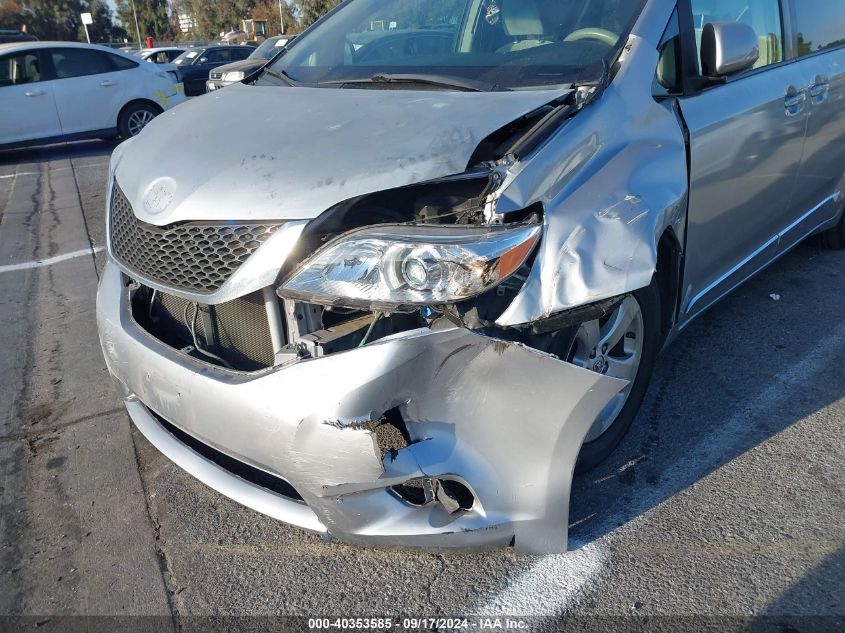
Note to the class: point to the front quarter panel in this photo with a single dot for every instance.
(612, 180)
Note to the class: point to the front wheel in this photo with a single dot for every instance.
(623, 344)
(135, 118)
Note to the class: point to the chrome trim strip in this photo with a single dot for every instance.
(776, 239)
(723, 278)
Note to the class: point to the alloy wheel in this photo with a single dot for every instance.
(613, 346)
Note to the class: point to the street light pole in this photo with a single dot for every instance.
(281, 19)
(137, 30)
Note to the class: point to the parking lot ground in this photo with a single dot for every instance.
(725, 501)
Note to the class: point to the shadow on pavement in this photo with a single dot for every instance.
(59, 151)
(737, 376)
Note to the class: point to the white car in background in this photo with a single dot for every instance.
(160, 55)
(56, 91)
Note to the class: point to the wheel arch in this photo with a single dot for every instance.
(132, 102)
(668, 272)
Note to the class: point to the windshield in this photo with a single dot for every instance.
(186, 58)
(268, 48)
(499, 43)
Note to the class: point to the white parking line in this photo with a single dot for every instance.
(23, 173)
(548, 585)
(50, 260)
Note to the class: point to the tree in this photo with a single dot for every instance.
(153, 18)
(269, 10)
(53, 19)
(59, 19)
(11, 14)
(216, 16)
(312, 10)
(104, 28)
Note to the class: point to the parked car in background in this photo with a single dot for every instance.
(11, 35)
(194, 65)
(236, 71)
(51, 91)
(160, 55)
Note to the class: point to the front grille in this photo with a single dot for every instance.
(195, 256)
(215, 75)
(236, 331)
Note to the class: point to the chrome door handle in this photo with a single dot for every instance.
(795, 102)
(820, 90)
(35, 93)
(106, 84)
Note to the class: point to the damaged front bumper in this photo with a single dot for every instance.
(503, 420)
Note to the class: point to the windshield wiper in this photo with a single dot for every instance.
(440, 81)
(282, 75)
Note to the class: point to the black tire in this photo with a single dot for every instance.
(834, 239)
(125, 122)
(595, 452)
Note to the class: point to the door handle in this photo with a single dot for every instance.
(35, 93)
(795, 101)
(107, 83)
(819, 90)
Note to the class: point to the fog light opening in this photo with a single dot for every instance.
(452, 495)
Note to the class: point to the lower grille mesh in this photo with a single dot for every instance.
(237, 331)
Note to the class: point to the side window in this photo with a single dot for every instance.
(219, 55)
(22, 68)
(121, 63)
(243, 53)
(820, 25)
(667, 78)
(762, 15)
(79, 62)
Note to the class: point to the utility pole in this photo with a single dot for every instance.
(137, 30)
(281, 19)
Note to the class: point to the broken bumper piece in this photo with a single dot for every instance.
(488, 432)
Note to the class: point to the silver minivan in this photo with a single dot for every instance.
(429, 280)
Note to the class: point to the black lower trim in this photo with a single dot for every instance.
(246, 472)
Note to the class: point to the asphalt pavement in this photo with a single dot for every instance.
(725, 503)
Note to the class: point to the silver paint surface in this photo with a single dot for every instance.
(286, 160)
(609, 190)
(302, 422)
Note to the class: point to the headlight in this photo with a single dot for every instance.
(234, 75)
(390, 266)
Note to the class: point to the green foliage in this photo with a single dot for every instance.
(60, 19)
(311, 10)
(216, 16)
(153, 18)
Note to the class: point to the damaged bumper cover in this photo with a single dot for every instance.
(505, 421)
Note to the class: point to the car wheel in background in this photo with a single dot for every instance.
(134, 118)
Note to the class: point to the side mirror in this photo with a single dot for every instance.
(203, 60)
(728, 48)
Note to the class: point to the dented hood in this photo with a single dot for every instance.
(257, 153)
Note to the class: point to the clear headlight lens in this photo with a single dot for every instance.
(234, 75)
(388, 267)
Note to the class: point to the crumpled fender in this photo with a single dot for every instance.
(611, 181)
